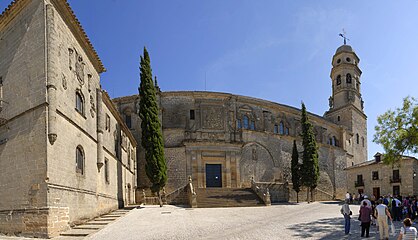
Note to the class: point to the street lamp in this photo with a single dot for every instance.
(414, 175)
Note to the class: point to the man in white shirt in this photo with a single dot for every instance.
(382, 213)
(366, 199)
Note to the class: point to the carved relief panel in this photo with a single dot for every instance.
(213, 117)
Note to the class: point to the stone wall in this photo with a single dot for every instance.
(22, 119)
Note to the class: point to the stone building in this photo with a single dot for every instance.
(224, 140)
(375, 177)
(66, 155)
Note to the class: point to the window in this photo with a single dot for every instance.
(129, 158)
(80, 160)
(108, 123)
(252, 125)
(239, 124)
(128, 121)
(348, 59)
(396, 190)
(357, 138)
(276, 128)
(348, 78)
(339, 61)
(245, 122)
(338, 118)
(375, 175)
(396, 174)
(338, 79)
(79, 102)
(281, 128)
(1, 80)
(106, 170)
(334, 141)
(286, 132)
(362, 141)
(191, 114)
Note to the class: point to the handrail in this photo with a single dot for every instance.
(326, 193)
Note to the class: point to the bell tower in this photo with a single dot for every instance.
(346, 106)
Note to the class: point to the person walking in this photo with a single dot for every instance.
(365, 219)
(345, 210)
(407, 231)
(382, 214)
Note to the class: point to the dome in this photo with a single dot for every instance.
(344, 48)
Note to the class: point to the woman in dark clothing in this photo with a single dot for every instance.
(365, 219)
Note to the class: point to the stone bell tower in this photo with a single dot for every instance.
(346, 106)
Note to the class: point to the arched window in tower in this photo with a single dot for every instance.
(245, 122)
(128, 120)
(286, 131)
(334, 141)
(348, 78)
(276, 128)
(281, 128)
(357, 138)
(339, 80)
(362, 141)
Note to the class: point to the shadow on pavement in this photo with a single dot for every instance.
(333, 228)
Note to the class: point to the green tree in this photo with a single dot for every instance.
(310, 168)
(295, 167)
(152, 140)
(397, 131)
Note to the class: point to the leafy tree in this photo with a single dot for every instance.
(397, 131)
(310, 168)
(152, 140)
(295, 167)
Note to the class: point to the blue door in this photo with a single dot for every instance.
(213, 175)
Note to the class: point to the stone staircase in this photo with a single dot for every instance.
(79, 232)
(227, 197)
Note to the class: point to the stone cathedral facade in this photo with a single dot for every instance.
(69, 153)
(225, 140)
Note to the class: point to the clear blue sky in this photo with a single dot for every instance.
(275, 50)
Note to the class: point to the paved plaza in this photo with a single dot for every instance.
(319, 220)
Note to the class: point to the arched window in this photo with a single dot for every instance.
(79, 160)
(338, 79)
(239, 124)
(281, 128)
(348, 78)
(128, 120)
(362, 141)
(246, 122)
(276, 128)
(334, 141)
(252, 125)
(286, 132)
(79, 102)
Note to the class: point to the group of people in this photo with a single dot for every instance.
(378, 212)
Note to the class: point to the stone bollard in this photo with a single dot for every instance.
(267, 199)
(144, 196)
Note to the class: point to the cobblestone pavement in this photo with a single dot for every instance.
(320, 220)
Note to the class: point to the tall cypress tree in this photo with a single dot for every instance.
(310, 167)
(295, 168)
(152, 140)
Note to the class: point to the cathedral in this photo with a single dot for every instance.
(69, 153)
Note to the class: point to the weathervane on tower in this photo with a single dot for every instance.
(344, 35)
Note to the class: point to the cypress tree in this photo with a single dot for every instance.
(152, 140)
(310, 168)
(295, 168)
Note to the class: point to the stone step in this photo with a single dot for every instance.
(78, 232)
(96, 223)
(100, 219)
(227, 197)
(93, 227)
